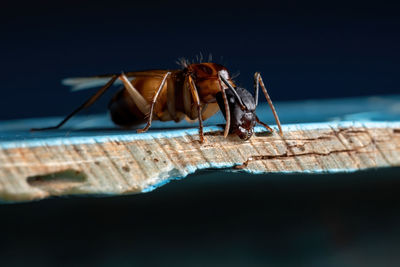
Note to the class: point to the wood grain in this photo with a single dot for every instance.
(36, 169)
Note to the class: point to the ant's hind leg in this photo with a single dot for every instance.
(149, 114)
(258, 81)
(137, 98)
(87, 104)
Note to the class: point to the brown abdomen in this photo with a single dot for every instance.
(124, 111)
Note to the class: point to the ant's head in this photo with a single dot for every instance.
(242, 108)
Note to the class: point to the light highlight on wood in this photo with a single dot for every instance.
(125, 165)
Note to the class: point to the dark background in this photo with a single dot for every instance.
(304, 51)
(210, 219)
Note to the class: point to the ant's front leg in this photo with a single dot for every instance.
(226, 105)
(258, 81)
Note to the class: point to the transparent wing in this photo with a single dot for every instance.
(83, 83)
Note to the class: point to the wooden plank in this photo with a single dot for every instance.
(39, 165)
(132, 164)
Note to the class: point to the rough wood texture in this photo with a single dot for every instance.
(92, 156)
(36, 169)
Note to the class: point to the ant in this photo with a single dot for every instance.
(197, 91)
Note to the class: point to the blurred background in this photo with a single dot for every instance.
(303, 50)
(215, 219)
(313, 50)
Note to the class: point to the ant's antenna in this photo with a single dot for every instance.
(242, 106)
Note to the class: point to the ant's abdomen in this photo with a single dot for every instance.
(123, 110)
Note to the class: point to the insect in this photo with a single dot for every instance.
(165, 95)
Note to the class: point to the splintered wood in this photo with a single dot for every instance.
(121, 166)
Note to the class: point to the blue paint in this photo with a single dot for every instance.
(77, 140)
(375, 108)
(193, 169)
(189, 169)
(370, 112)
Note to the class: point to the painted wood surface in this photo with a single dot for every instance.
(90, 156)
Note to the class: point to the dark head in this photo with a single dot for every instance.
(243, 118)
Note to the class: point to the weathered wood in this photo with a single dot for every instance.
(139, 163)
(92, 156)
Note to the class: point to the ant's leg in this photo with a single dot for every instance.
(242, 106)
(258, 80)
(171, 106)
(227, 111)
(196, 99)
(137, 98)
(153, 102)
(264, 124)
(88, 103)
(256, 89)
